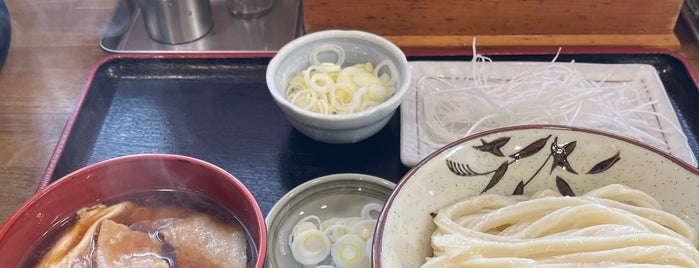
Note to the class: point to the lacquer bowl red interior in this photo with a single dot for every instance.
(123, 176)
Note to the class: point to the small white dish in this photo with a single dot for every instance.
(359, 48)
(338, 195)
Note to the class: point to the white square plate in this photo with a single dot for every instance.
(417, 142)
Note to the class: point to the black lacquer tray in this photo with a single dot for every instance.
(216, 107)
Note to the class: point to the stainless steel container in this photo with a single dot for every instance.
(249, 8)
(176, 21)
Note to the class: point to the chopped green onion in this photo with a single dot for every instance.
(328, 88)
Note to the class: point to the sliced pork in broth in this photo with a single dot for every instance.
(73, 248)
(201, 241)
(131, 234)
(119, 246)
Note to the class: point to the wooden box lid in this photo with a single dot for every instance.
(454, 23)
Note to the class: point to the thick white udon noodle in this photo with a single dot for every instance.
(611, 226)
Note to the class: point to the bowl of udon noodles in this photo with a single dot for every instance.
(148, 210)
(541, 195)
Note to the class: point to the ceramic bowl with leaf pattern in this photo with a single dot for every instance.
(523, 160)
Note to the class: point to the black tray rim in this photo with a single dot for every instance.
(467, 51)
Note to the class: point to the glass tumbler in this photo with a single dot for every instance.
(249, 8)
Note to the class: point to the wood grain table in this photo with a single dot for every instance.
(54, 45)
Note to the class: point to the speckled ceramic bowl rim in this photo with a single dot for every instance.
(279, 206)
(377, 243)
(289, 48)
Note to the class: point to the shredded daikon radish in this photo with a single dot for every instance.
(335, 242)
(555, 93)
(329, 88)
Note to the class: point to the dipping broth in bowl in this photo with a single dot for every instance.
(542, 195)
(138, 211)
(149, 229)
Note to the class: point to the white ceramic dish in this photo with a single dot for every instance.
(359, 47)
(338, 195)
(417, 143)
(464, 168)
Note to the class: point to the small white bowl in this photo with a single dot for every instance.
(338, 195)
(359, 47)
(552, 156)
